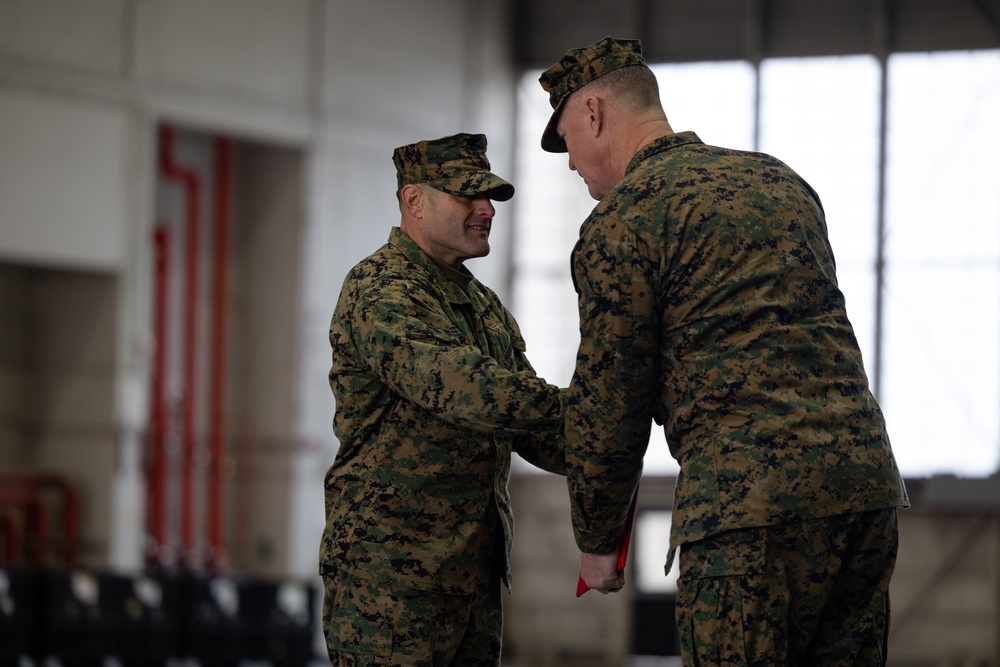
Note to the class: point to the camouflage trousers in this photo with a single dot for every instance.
(814, 594)
(368, 624)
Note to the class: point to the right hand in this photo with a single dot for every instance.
(600, 572)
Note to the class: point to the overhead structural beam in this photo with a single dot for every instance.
(635, 19)
(713, 30)
(989, 15)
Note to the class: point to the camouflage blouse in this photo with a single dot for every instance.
(709, 303)
(433, 393)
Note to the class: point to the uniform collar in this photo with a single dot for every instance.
(662, 144)
(445, 275)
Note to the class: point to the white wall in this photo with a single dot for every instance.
(63, 200)
(83, 86)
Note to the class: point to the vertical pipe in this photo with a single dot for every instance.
(192, 251)
(156, 508)
(883, 32)
(223, 194)
(755, 32)
(190, 181)
(880, 232)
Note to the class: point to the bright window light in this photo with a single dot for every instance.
(652, 538)
(714, 100)
(941, 312)
(941, 375)
(820, 116)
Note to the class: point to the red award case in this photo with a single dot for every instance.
(623, 544)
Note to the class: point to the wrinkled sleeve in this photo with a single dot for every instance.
(612, 396)
(411, 344)
(544, 450)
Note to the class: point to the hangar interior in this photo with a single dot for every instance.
(184, 185)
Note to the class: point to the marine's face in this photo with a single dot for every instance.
(575, 126)
(457, 228)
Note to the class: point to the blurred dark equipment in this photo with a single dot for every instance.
(80, 618)
(654, 631)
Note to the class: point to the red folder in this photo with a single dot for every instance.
(623, 543)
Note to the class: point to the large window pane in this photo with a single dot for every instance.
(550, 204)
(941, 376)
(940, 385)
(821, 117)
(714, 100)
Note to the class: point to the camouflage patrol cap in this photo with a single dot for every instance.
(456, 164)
(578, 68)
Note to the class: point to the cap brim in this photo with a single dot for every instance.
(502, 192)
(551, 141)
(476, 184)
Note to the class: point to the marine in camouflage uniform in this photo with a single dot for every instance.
(709, 303)
(433, 393)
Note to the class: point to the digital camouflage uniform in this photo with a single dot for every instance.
(433, 393)
(709, 303)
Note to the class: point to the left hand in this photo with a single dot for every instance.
(600, 572)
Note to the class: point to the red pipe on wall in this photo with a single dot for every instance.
(25, 492)
(223, 194)
(189, 179)
(32, 507)
(156, 516)
(10, 537)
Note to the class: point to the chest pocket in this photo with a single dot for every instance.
(488, 332)
(500, 343)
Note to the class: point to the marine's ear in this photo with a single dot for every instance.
(413, 198)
